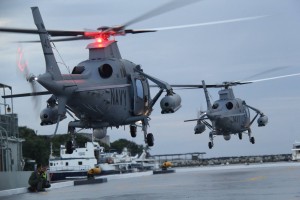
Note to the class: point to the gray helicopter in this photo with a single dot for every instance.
(105, 90)
(228, 115)
(102, 91)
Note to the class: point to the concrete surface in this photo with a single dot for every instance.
(247, 182)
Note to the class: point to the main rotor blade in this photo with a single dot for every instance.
(191, 120)
(272, 78)
(59, 40)
(266, 72)
(233, 83)
(172, 5)
(26, 94)
(120, 30)
(138, 31)
(80, 35)
(194, 86)
(191, 86)
(53, 33)
(208, 23)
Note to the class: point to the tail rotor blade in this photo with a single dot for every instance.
(22, 66)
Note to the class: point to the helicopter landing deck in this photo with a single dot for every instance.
(260, 181)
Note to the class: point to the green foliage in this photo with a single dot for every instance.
(132, 147)
(37, 147)
(106, 147)
(26, 132)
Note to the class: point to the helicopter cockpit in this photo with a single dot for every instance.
(78, 69)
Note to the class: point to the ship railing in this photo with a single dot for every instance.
(70, 168)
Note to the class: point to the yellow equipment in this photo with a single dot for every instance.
(166, 165)
(93, 171)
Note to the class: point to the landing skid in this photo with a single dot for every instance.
(133, 130)
(211, 138)
(251, 139)
(240, 136)
(148, 137)
(70, 145)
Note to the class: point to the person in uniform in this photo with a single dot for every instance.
(38, 180)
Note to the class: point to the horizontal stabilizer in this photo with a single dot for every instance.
(26, 94)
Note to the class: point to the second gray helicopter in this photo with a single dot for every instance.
(228, 115)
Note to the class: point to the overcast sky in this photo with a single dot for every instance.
(214, 53)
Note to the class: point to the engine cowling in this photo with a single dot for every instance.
(49, 116)
(262, 120)
(199, 128)
(99, 132)
(227, 137)
(170, 103)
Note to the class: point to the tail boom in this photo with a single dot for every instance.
(51, 64)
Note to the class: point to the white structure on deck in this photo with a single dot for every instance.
(146, 163)
(82, 159)
(296, 151)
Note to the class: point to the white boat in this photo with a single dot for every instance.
(114, 162)
(75, 164)
(296, 151)
(124, 162)
(143, 163)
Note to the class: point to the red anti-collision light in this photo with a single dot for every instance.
(99, 40)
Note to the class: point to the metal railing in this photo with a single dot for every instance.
(70, 168)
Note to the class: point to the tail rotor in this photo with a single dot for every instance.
(22, 66)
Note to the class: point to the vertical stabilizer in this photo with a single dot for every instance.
(206, 96)
(51, 64)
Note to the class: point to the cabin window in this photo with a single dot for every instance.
(67, 164)
(79, 162)
(215, 106)
(105, 71)
(229, 105)
(78, 70)
(139, 89)
(51, 164)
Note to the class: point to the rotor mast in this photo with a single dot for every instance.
(103, 49)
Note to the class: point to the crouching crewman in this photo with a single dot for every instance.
(38, 180)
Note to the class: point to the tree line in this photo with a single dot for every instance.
(37, 147)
